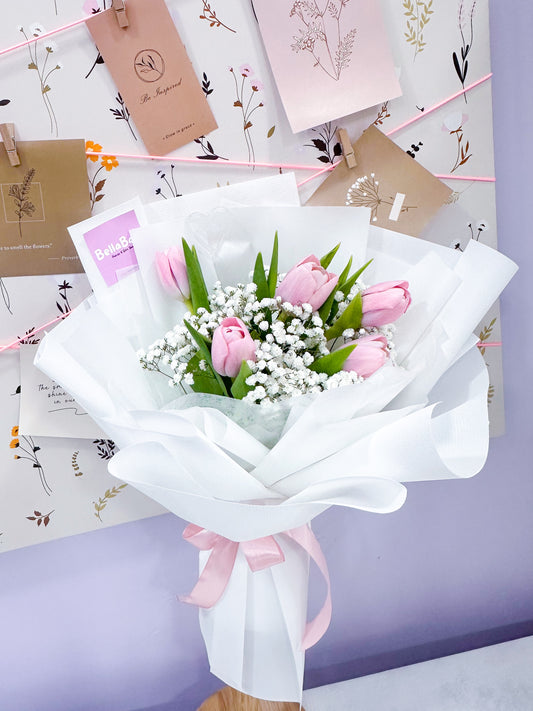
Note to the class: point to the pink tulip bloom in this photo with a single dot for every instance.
(307, 283)
(231, 345)
(173, 272)
(385, 303)
(369, 355)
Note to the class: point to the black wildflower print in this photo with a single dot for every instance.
(105, 448)
(168, 184)
(207, 148)
(326, 144)
(465, 21)
(206, 85)
(27, 449)
(63, 306)
(122, 113)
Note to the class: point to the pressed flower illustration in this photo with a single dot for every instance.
(321, 35)
(26, 445)
(418, 14)
(170, 184)
(122, 113)
(19, 192)
(326, 143)
(40, 518)
(465, 20)
(365, 193)
(247, 105)
(45, 66)
(383, 114)
(75, 465)
(485, 334)
(5, 102)
(209, 14)
(453, 123)
(102, 502)
(107, 163)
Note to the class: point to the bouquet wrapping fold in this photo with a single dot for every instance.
(244, 473)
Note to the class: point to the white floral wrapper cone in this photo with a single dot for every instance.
(214, 464)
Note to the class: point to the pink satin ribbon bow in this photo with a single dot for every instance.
(260, 554)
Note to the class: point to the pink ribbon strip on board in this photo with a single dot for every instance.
(260, 554)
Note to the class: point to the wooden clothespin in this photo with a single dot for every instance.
(347, 148)
(7, 131)
(119, 6)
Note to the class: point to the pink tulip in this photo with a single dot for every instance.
(385, 303)
(307, 283)
(231, 345)
(368, 356)
(173, 272)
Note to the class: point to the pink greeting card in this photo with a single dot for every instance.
(330, 58)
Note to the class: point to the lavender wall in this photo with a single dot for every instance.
(92, 622)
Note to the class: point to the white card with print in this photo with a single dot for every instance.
(46, 410)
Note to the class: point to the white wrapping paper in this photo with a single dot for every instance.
(425, 418)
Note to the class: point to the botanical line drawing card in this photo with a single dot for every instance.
(154, 75)
(330, 58)
(39, 199)
(402, 195)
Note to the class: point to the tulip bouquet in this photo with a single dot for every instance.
(279, 336)
(255, 438)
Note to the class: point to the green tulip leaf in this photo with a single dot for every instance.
(204, 380)
(350, 318)
(199, 294)
(260, 278)
(351, 281)
(273, 271)
(327, 258)
(206, 353)
(239, 388)
(333, 362)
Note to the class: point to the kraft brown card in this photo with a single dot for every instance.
(150, 66)
(402, 195)
(39, 199)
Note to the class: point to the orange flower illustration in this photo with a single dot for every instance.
(14, 431)
(14, 443)
(92, 146)
(109, 162)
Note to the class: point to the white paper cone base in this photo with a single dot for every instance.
(253, 635)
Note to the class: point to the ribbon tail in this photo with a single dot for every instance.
(215, 576)
(316, 628)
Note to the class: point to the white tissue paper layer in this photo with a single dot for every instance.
(221, 465)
